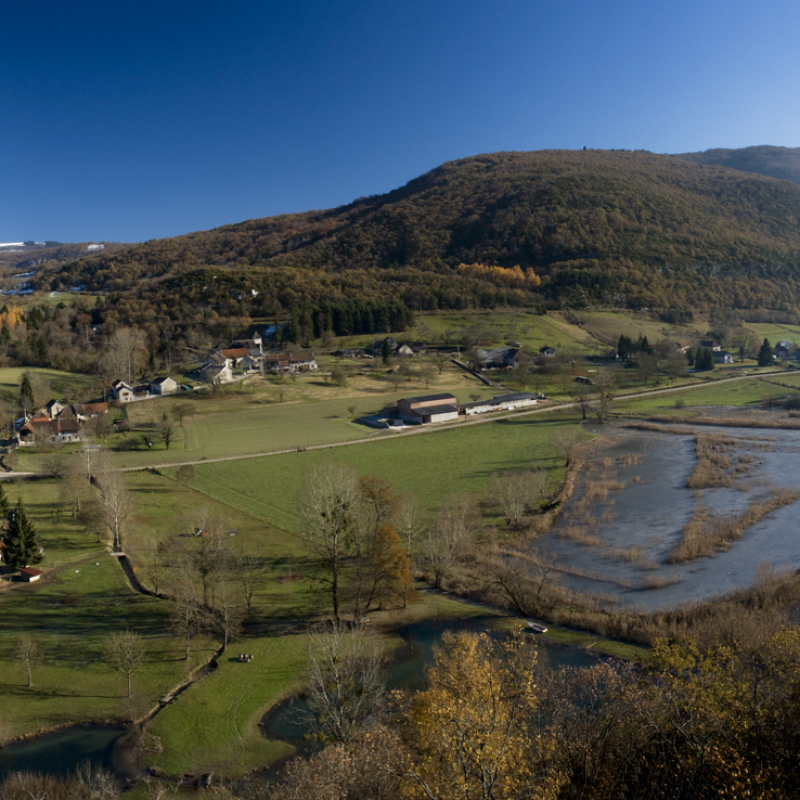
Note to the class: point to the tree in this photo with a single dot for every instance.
(441, 358)
(26, 399)
(115, 502)
(765, 356)
(470, 729)
(426, 373)
(123, 354)
(605, 384)
(338, 376)
(566, 440)
(5, 508)
(126, 653)
(28, 653)
(21, 543)
(186, 615)
(166, 431)
(516, 492)
(455, 524)
(345, 692)
(185, 475)
(675, 366)
(329, 508)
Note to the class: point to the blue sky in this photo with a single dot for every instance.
(134, 121)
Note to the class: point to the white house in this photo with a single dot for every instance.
(163, 386)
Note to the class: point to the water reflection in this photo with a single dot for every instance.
(628, 513)
(59, 753)
(407, 669)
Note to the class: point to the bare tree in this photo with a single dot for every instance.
(186, 614)
(566, 439)
(520, 579)
(345, 690)
(28, 653)
(74, 488)
(329, 509)
(606, 385)
(115, 501)
(166, 431)
(125, 652)
(123, 354)
(250, 575)
(440, 359)
(518, 492)
(426, 372)
(455, 525)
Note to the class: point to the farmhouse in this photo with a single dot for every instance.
(163, 386)
(290, 362)
(86, 411)
(63, 430)
(499, 358)
(547, 352)
(427, 408)
(29, 574)
(216, 370)
(722, 357)
(121, 391)
(783, 350)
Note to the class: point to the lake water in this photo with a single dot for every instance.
(407, 669)
(60, 752)
(653, 505)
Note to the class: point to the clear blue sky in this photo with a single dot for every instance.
(139, 120)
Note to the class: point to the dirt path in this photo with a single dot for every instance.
(420, 430)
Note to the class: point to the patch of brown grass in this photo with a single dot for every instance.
(704, 534)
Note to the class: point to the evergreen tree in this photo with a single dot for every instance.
(765, 354)
(26, 400)
(4, 506)
(22, 545)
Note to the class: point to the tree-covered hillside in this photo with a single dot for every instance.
(776, 162)
(621, 228)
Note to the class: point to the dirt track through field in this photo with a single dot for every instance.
(416, 431)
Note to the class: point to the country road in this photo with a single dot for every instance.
(415, 431)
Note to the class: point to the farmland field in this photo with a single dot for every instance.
(428, 468)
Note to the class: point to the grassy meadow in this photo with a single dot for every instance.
(428, 468)
(85, 596)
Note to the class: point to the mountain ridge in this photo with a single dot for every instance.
(628, 228)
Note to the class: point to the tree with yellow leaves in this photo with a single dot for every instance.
(471, 729)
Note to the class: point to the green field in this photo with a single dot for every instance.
(71, 613)
(429, 467)
(748, 392)
(47, 384)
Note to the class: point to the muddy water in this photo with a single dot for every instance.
(647, 506)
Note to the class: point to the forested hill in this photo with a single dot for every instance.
(626, 228)
(776, 162)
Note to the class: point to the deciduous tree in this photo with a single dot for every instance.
(329, 510)
(28, 653)
(125, 652)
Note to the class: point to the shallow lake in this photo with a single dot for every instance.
(638, 523)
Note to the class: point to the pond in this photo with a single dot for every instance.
(628, 511)
(407, 669)
(60, 752)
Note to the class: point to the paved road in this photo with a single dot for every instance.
(420, 430)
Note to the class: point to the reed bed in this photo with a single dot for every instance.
(757, 419)
(713, 462)
(704, 534)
